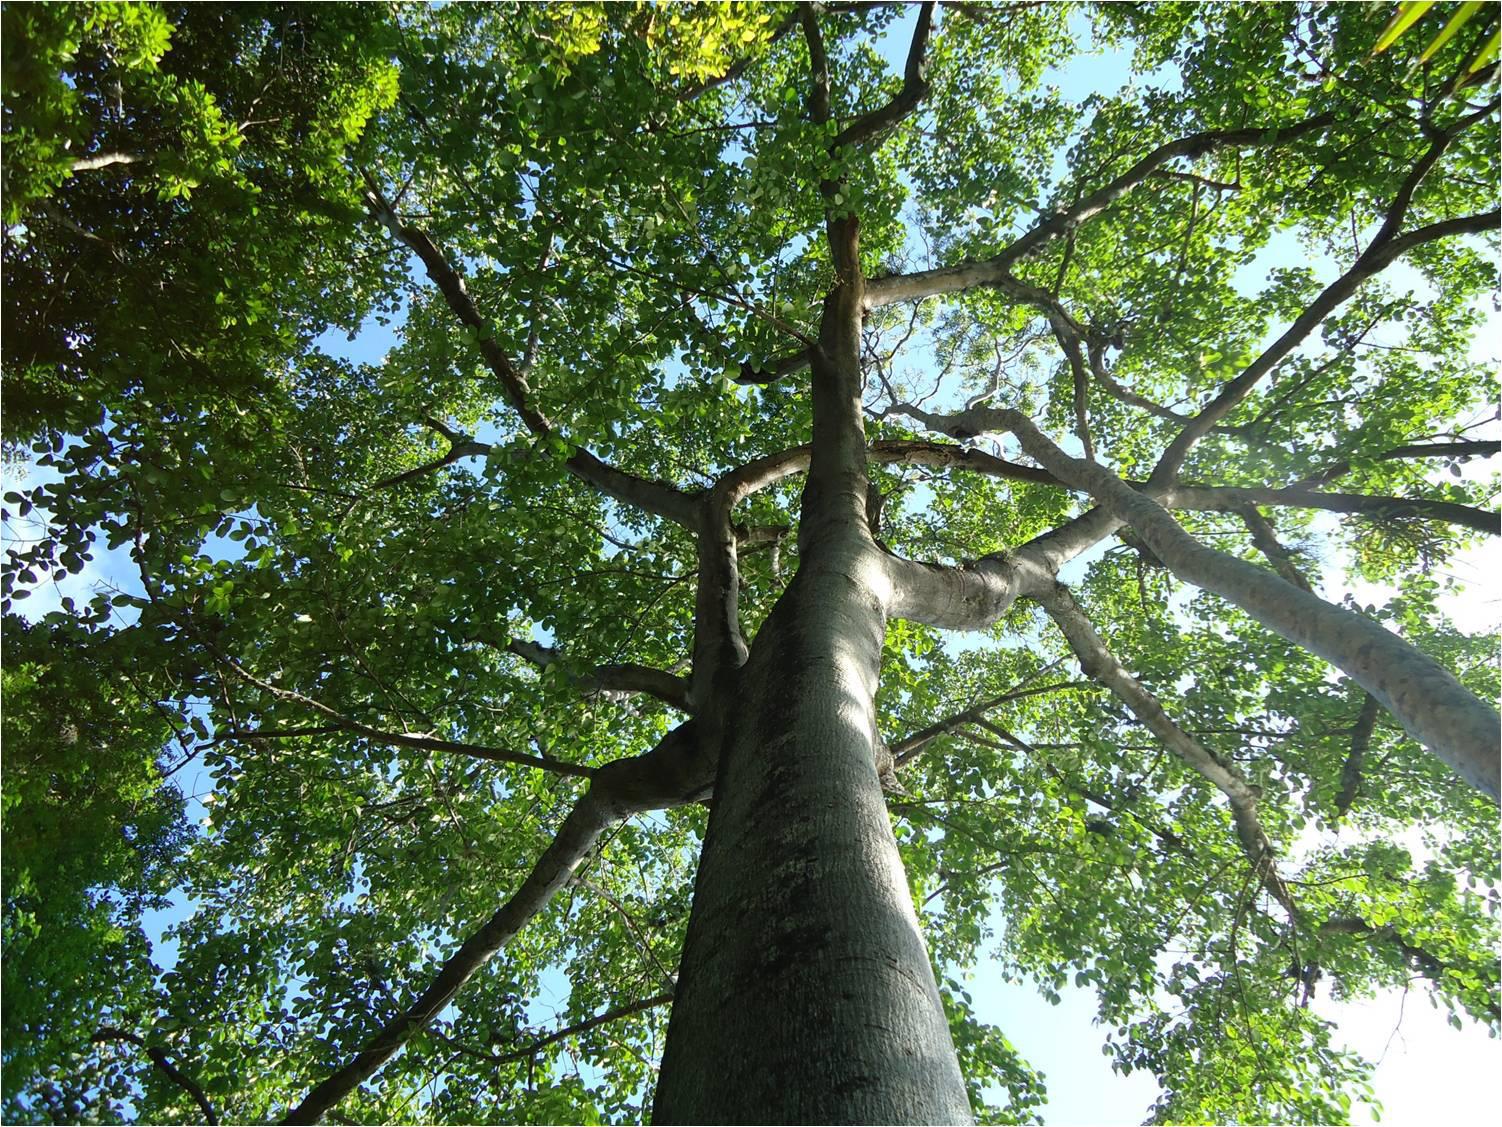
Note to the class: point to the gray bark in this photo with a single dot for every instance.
(1435, 708)
(805, 994)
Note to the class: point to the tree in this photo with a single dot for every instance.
(689, 602)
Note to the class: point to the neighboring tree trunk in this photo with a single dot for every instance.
(805, 992)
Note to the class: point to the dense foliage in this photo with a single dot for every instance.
(397, 608)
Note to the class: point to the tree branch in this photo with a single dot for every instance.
(1216, 498)
(619, 677)
(1124, 394)
(583, 826)
(914, 89)
(529, 1051)
(911, 746)
(158, 1058)
(1098, 662)
(104, 160)
(460, 446)
(818, 64)
(925, 452)
(993, 271)
(1376, 257)
(1425, 697)
(673, 773)
(1361, 742)
(1070, 343)
(1265, 539)
(654, 497)
(1429, 965)
(398, 739)
(977, 593)
(1465, 448)
(1236, 498)
(719, 646)
(774, 371)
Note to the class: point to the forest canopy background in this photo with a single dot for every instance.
(412, 611)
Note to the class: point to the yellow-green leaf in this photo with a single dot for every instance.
(1457, 21)
(1487, 55)
(1408, 14)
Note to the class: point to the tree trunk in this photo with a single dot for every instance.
(805, 992)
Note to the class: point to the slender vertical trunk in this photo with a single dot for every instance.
(805, 993)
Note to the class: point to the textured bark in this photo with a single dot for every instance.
(1435, 708)
(805, 994)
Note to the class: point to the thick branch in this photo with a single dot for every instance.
(158, 1057)
(976, 594)
(994, 271)
(968, 597)
(1361, 742)
(1098, 662)
(757, 475)
(719, 646)
(104, 160)
(1426, 698)
(589, 818)
(914, 88)
(673, 773)
(925, 452)
(652, 496)
(818, 64)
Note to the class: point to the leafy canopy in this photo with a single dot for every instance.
(379, 603)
